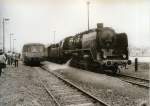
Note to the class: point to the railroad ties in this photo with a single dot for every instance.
(65, 94)
(145, 83)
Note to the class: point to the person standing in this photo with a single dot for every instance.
(9, 58)
(16, 60)
(13, 58)
(2, 61)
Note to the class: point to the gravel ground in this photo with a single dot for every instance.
(111, 90)
(143, 70)
(20, 87)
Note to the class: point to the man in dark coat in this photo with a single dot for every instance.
(2, 61)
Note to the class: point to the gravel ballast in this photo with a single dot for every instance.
(21, 87)
(110, 89)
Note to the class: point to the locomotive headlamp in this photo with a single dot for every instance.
(105, 56)
(108, 62)
(124, 56)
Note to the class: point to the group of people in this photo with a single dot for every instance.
(9, 58)
(12, 58)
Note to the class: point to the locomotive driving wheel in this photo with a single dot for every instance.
(114, 68)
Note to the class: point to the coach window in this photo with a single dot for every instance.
(78, 40)
(29, 49)
(41, 48)
(24, 49)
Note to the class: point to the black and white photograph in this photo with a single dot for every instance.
(74, 52)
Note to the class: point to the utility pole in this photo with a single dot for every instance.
(88, 14)
(4, 19)
(11, 34)
(14, 45)
(3, 35)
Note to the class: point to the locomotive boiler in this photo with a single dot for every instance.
(101, 48)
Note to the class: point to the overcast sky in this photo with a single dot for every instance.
(36, 20)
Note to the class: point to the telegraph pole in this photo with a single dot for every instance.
(11, 34)
(3, 35)
(4, 19)
(88, 14)
(14, 45)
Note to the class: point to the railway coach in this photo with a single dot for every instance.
(33, 53)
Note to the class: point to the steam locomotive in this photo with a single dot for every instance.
(101, 48)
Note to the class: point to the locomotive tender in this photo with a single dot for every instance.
(101, 48)
(33, 53)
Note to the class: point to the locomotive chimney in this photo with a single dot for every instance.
(100, 25)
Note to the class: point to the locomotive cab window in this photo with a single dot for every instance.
(71, 42)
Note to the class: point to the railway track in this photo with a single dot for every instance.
(65, 93)
(141, 82)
